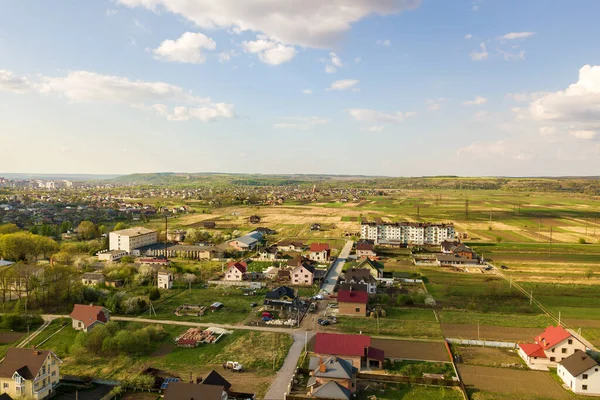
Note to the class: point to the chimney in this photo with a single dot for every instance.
(322, 367)
(35, 352)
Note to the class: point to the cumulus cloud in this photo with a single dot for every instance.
(579, 103)
(14, 84)
(269, 51)
(384, 42)
(434, 104)
(517, 35)
(357, 60)
(344, 84)
(525, 97)
(158, 97)
(226, 56)
(302, 123)
(373, 128)
(468, 36)
(479, 55)
(307, 91)
(547, 130)
(477, 101)
(583, 134)
(370, 115)
(480, 150)
(508, 56)
(187, 49)
(309, 23)
(111, 11)
(334, 63)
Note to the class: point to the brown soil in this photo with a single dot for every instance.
(502, 333)
(489, 356)
(411, 350)
(163, 350)
(520, 383)
(10, 337)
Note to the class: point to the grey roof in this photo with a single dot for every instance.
(192, 391)
(5, 263)
(578, 362)
(251, 238)
(92, 275)
(281, 291)
(137, 231)
(332, 390)
(454, 259)
(335, 368)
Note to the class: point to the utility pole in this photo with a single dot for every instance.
(478, 333)
(531, 298)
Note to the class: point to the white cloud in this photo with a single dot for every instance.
(85, 86)
(344, 84)
(309, 23)
(269, 51)
(508, 56)
(434, 104)
(302, 123)
(523, 156)
(357, 60)
(330, 69)
(111, 11)
(226, 56)
(517, 35)
(373, 128)
(547, 130)
(384, 42)
(477, 101)
(370, 115)
(481, 150)
(187, 49)
(468, 36)
(480, 114)
(479, 55)
(12, 83)
(525, 97)
(334, 63)
(307, 91)
(579, 103)
(583, 134)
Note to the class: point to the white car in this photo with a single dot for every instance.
(318, 297)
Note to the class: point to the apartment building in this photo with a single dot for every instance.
(406, 233)
(132, 238)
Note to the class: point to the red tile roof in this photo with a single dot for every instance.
(347, 296)
(532, 350)
(318, 247)
(375, 354)
(241, 266)
(341, 345)
(552, 336)
(89, 314)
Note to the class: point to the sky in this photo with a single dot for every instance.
(370, 87)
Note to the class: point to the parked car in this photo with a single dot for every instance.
(318, 297)
(253, 304)
(322, 322)
(503, 267)
(267, 319)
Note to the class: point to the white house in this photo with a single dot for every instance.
(319, 252)
(580, 372)
(236, 271)
(551, 346)
(132, 238)
(303, 275)
(111, 255)
(165, 279)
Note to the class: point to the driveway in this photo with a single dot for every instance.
(280, 385)
(336, 268)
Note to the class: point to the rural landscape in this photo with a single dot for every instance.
(257, 278)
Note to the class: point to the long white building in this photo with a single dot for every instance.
(132, 238)
(407, 233)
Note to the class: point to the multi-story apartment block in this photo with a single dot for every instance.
(132, 238)
(407, 233)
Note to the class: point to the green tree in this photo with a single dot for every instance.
(120, 225)
(8, 228)
(154, 294)
(65, 226)
(589, 273)
(87, 230)
(582, 241)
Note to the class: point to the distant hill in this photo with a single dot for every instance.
(58, 177)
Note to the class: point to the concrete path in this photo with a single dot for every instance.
(336, 268)
(280, 385)
(30, 337)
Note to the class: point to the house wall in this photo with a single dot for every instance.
(165, 281)
(233, 274)
(353, 309)
(534, 361)
(302, 276)
(576, 383)
(347, 383)
(40, 388)
(564, 349)
(128, 243)
(365, 253)
(318, 255)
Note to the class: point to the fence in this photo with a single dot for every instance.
(407, 379)
(461, 384)
(483, 343)
(254, 285)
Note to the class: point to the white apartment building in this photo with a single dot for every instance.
(413, 233)
(132, 238)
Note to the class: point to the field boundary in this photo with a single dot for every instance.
(483, 343)
(461, 384)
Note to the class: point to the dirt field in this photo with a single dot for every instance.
(488, 356)
(10, 337)
(520, 384)
(501, 333)
(409, 350)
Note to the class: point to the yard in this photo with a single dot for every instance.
(393, 391)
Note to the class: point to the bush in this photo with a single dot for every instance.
(154, 294)
(582, 241)
(16, 322)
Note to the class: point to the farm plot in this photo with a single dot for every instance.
(517, 383)
(501, 333)
(411, 350)
(489, 356)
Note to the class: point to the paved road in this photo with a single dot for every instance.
(279, 387)
(336, 268)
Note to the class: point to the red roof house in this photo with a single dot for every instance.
(552, 336)
(355, 347)
(353, 296)
(86, 317)
(242, 266)
(318, 247)
(532, 350)
(319, 252)
(550, 347)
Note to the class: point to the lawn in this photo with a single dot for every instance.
(406, 391)
(418, 368)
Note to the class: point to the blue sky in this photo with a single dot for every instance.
(375, 87)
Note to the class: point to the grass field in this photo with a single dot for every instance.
(406, 391)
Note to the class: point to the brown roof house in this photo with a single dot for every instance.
(29, 373)
(86, 317)
(319, 252)
(581, 373)
(361, 276)
(331, 378)
(364, 249)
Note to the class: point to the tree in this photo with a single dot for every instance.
(154, 294)
(8, 228)
(87, 230)
(63, 257)
(121, 225)
(589, 273)
(582, 241)
(189, 278)
(65, 226)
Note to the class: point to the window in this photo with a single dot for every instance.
(570, 341)
(53, 373)
(584, 376)
(5, 385)
(552, 359)
(553, 350)
(357, 309)
(584, 387)
(563, 350)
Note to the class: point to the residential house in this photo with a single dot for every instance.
(455, 260)
(236, 271)
(458, 249)
(288, 245)
(165, 279)
(111, 255)
(447, 245)
(247, 242)
(86, 317)
(315, 227)
(208, 224)
(357, 349)
(362, 276)
(299, 260)
(550, 347)
(358, 287)
(268, 254)
(193, 391)
(352, 302)
(271, 272)
(375, 268)
(92, 279)
(365, 248)
(303, 275)
(319, 252)
(176, 235)
(132, 238)
(29, 373)
(283, 298)
(284, 274)
(331, 378)
(215, 379)
(116, 283)
(581, 373)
